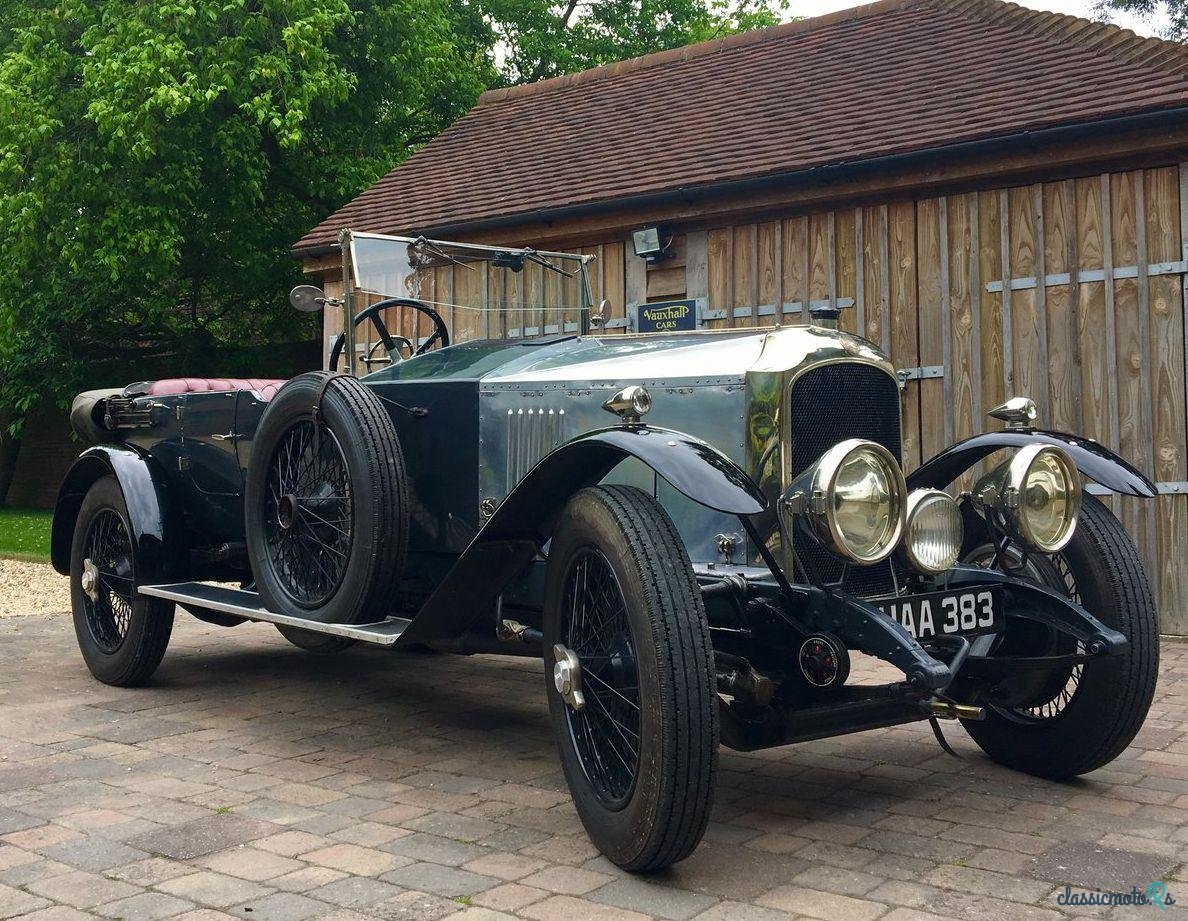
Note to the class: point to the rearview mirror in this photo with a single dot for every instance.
(307, 298)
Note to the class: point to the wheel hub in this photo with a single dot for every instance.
(286, 512)
(567, 677)
(89, 580)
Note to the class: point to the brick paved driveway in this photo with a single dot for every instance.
(256, 781)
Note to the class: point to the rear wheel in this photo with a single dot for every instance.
(327, 507)
(121, 633)
(630, 677)
(1069, 721)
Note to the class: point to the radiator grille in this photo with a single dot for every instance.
(830, 404)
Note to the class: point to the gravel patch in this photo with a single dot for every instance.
(32, 588)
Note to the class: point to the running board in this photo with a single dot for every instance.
(247, 605)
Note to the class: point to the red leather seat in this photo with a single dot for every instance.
(264, 388)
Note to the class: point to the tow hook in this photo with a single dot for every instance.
(89, 580)
(567, 677)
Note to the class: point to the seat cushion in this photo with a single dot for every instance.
(264, 388)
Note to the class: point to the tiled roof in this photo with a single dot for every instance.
(890, 78)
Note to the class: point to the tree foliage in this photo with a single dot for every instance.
(1172, 12)
(539, 39)
(160, 157)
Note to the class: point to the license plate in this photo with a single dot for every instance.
(968, 613)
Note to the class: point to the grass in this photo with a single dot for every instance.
(25, 533)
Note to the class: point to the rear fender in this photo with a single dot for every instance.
(1096, 462)
(159, 539)
(526, 519)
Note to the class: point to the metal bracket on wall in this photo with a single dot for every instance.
(769, 310)
(1166, 488)
(921, 373)
(1090, 275)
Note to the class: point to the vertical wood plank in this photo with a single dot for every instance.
(743, 252)
(1007, 335)
(1029, 365)
(794, 239)
(932, 308)
(845, 267)
(885, 278)
(635, 279)
(1092, 313)
(696, 264)
(719, 272)
(1059, 249)
(859, 275)
(1040, 306)
(961, 259)
(904, 312)
(768, 270)
(1133, 436)
(614, 278)
(990, 266)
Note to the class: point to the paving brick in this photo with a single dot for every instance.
(566, 880)
(82, 890)
(354, 892)
(504, 866)
(281, 906)
(306, 878)
(250, 863)
(568, 908)
(148, 906)
(203, 836)
(420, 846)
(509, 897)
(15, 902)
(440, 880)
(637, 893)
(818, 904)
(213, 889)
(351, 858)
(291, 843)
(414, 906)
(149, 872)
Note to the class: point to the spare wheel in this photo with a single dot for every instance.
(326, 506)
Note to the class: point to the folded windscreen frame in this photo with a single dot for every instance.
(482, 292)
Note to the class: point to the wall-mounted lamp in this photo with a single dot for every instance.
(650, 245)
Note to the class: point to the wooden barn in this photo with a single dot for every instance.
(996, 195)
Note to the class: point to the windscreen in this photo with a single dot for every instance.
(480, 291)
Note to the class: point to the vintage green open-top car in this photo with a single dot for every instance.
(693, 530)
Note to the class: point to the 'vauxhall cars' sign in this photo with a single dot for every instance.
(666, 317)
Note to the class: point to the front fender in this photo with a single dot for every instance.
(1093, 460)
(525, 521)
(146, 496)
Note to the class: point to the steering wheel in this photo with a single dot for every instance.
(440, 337)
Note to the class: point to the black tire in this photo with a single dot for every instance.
(1113, 694)
(121, 633)
(661, 817)
(355, 431)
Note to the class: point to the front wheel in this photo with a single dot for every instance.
(630, 677)
(1068, 722)
(122, 634)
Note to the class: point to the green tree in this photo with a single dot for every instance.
(539, 39)
(1174, 12)
(159, 159)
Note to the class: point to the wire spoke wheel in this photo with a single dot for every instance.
(594, 625)
(1051, 693)
(308, 513)
(108, 603)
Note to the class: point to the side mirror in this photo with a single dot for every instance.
(307, 298)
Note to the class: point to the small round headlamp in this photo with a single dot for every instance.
(852, 500)
(934, 531)
(1036, 494)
